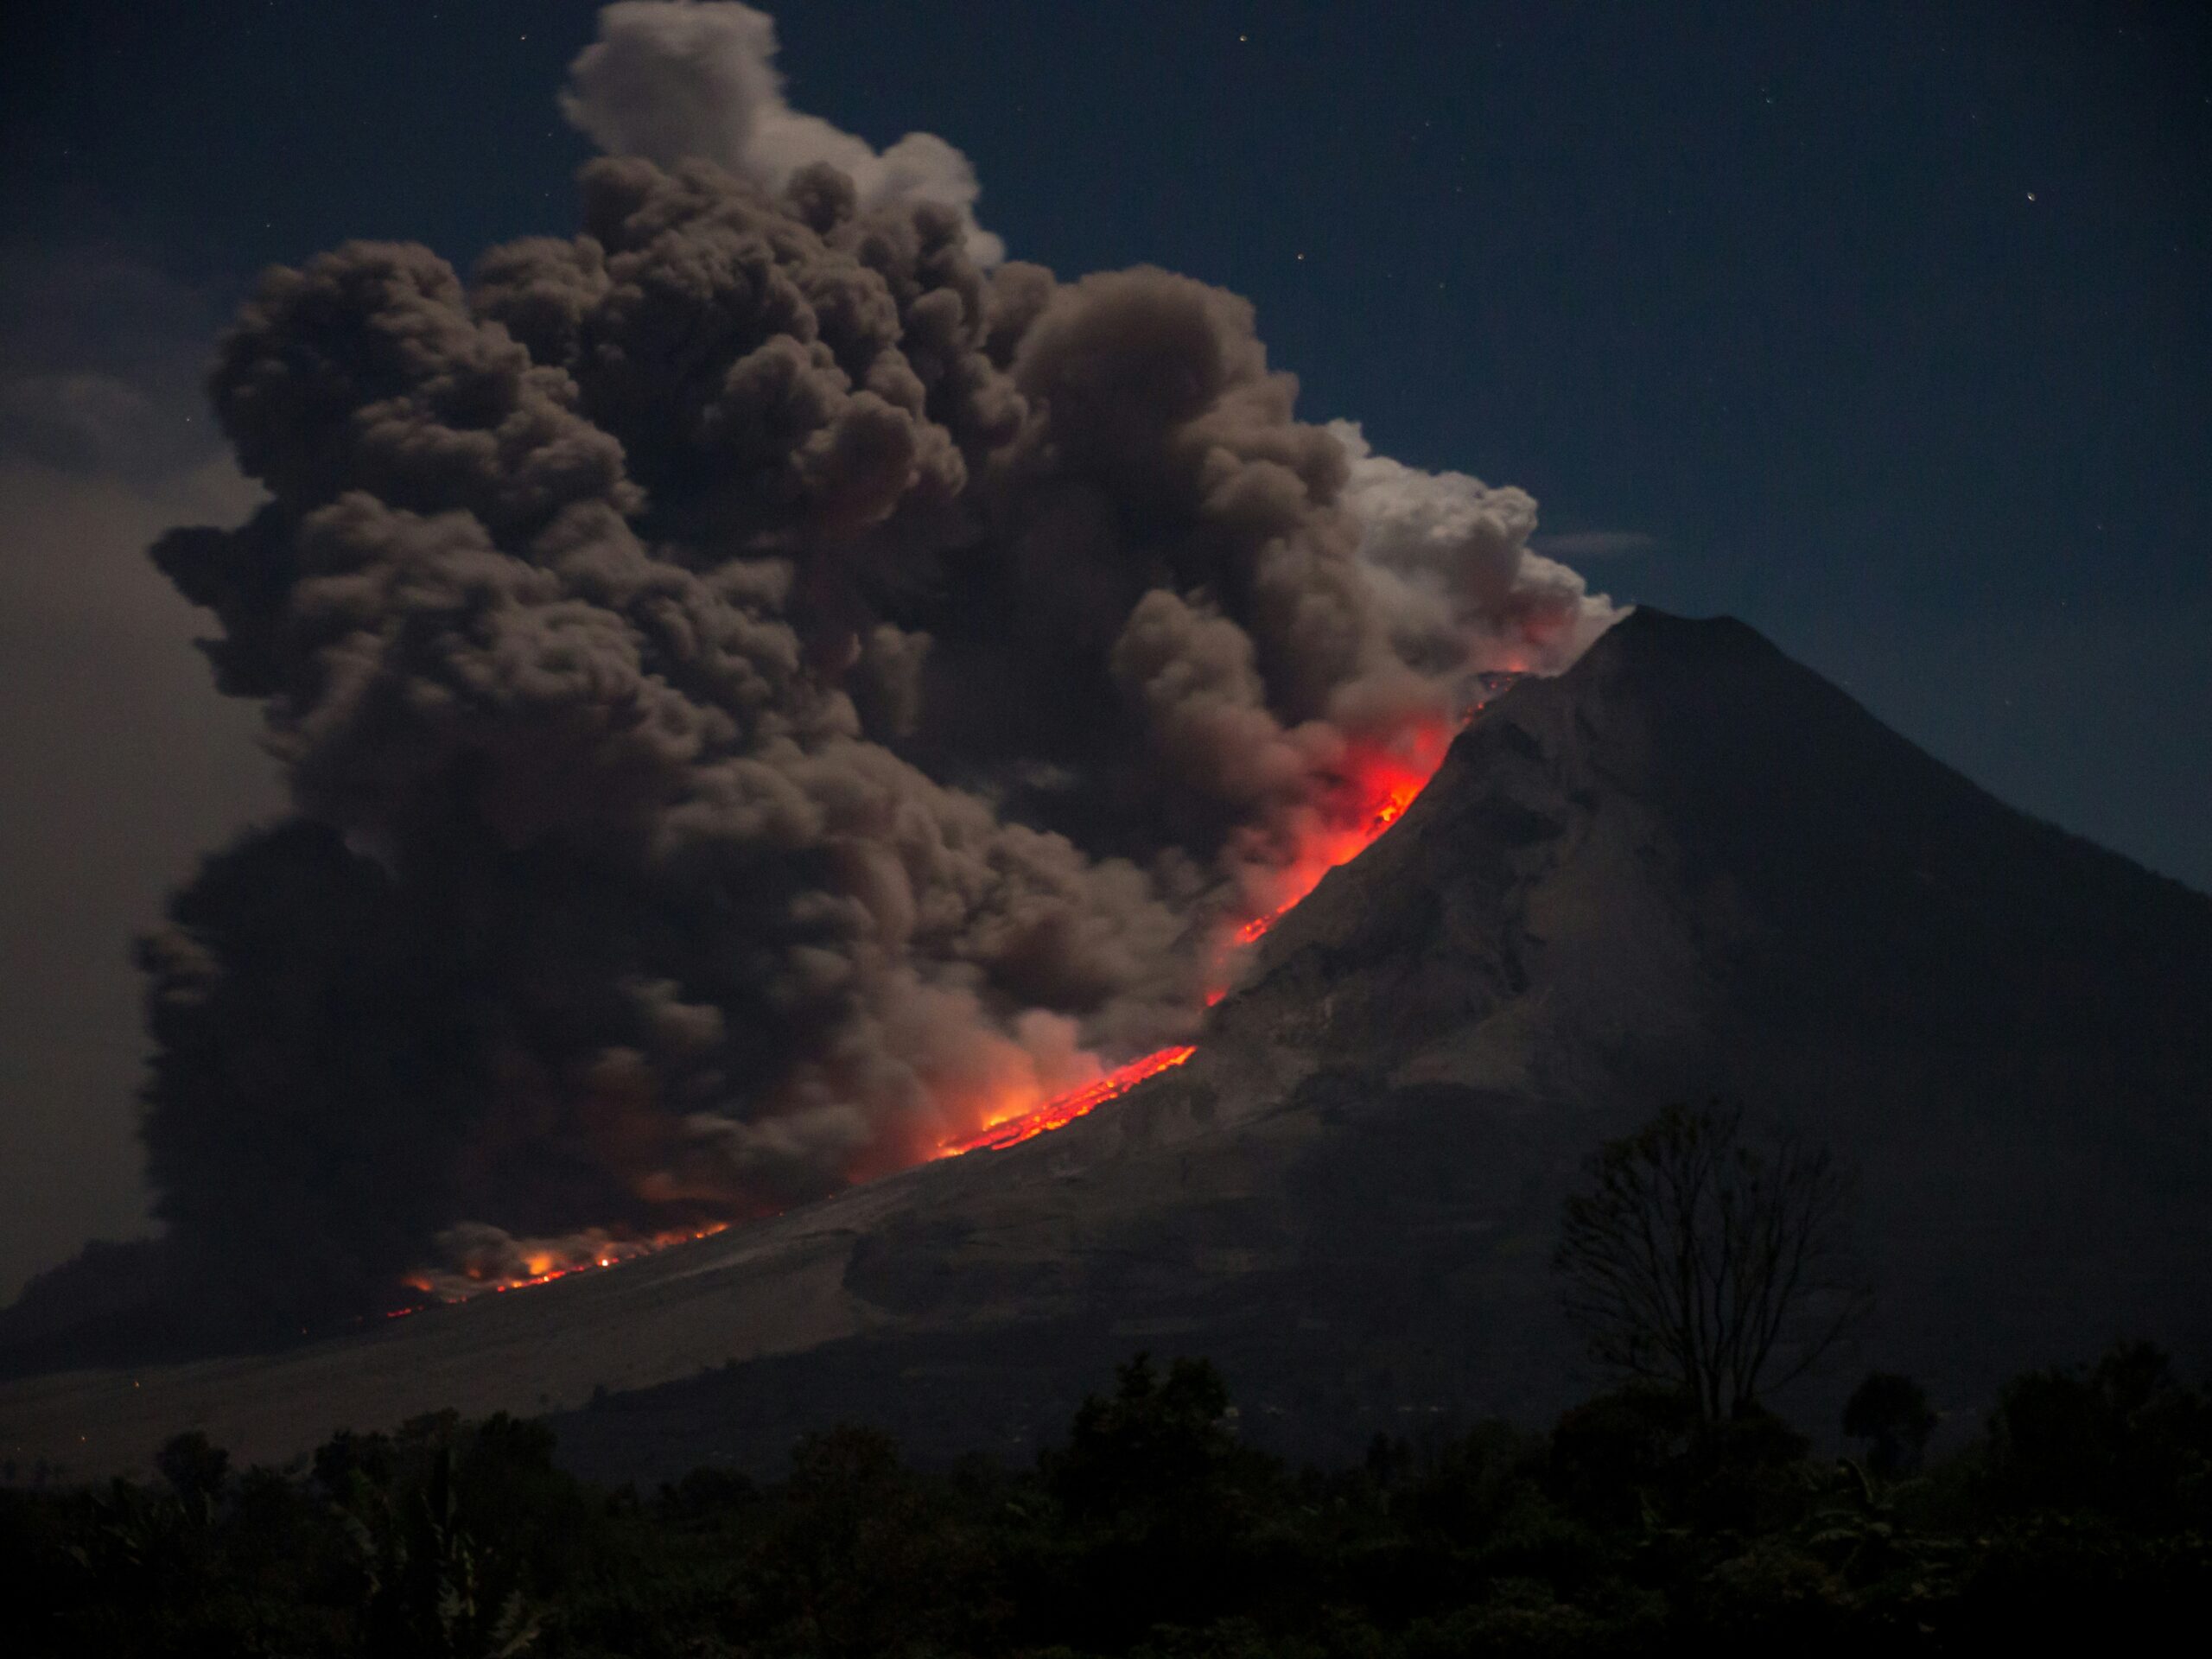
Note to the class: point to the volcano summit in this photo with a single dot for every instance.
(1686, 865)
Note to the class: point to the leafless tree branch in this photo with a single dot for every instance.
(1696, 1259)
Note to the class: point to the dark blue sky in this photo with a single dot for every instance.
(1884, 321)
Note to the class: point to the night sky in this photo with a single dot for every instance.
(1881, 326)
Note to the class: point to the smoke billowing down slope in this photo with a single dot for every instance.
(768, 688)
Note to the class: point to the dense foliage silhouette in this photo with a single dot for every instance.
(2082, 1511)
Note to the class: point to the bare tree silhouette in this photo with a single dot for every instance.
(1697, 1260)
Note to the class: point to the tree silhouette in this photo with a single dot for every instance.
(861, 1562)
(428, 1583)
(1890, 1413)
(1159, 1451)
(194, 1466)
(1698, 1261)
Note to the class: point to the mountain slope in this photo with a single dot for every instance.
(1688, 865)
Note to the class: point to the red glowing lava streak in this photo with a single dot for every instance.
(542, 1266)
(1376, 786)
(1062, 1110)
(1379, 782)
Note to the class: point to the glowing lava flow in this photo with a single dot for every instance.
(1062, 1110)
(543, 1265)
(1378, 781)
(1377, 787)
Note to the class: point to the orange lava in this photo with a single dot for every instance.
(1377, 785)
(1062, 1110)
(543, 1267)
(1378, 780)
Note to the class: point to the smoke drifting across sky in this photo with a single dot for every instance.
(759, 680)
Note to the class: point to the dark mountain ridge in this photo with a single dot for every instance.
(1686, 867)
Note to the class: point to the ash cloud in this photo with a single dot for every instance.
(668, 80)
(759, 681)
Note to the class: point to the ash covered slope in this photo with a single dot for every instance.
(1687, 865)
(1693, 865)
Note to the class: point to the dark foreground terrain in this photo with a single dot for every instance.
(2079, 1517)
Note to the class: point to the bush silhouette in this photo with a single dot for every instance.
(2082, 1516)
(195, 1468)
(1891, 1414)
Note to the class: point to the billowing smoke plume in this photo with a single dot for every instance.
(760, 680)
(669, 82)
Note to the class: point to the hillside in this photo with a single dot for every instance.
(1686, 866)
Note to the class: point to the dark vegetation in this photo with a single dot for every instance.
(2083, 1510)
(1675, 1513)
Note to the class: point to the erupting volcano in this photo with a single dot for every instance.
(770, 691)
(1685, 862)
(1377, 784)
(1371, 792)
(1376, 791)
